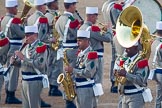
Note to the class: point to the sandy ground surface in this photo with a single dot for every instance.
(108, 100)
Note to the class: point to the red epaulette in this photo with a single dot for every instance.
(43, 20)
(92, 55)
(41, 47)
(16, 21)
(95, 29)
(121, 62)
(118, 6)
(142, 63)
(3, 42)
(74, 24)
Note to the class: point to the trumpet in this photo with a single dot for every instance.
(103, 27)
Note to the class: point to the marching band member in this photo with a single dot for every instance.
(114, 9)
(33, 66)
(38, 18)
(156, 49)
(4, 47)
(96, 38)
(84, 72)
(55, 63)
(133, 88)
(12, 28)
(67, 27)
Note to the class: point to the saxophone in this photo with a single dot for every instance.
(67, 82)
(138, 32)
(55, 45)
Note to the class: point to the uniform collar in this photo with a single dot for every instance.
(52, 11)
(132, 58)
(34, 43)
(83, 52)
(66, 12)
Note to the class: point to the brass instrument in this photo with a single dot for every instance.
(129, 30)
(55, 45)
(67, 82)
(27, 7)
(103, 29)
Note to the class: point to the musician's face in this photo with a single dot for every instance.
(13, 10)
(93, 18)
(30, 38)
(132, 51)
(82, 43)
(43, 9)
(73, 7)
(54, 5)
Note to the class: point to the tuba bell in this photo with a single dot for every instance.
(129, 30)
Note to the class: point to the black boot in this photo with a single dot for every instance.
(44, 104)
(11, 99)
(114, 89)
(70, 104)
(54, 91)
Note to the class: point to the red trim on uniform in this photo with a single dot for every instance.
(92, 55)
(118, 6)
(3, 42)
(43, 20)
(95, 29)
(1, 18)
(16, 21)
(79, 26)
(77, 53)
(142, 63)
(41, 49)
(74, 24)
(161, 46)
(56, 18)
(121, 63)
(114, 32)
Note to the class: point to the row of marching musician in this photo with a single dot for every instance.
(40, 45)
(46, 40)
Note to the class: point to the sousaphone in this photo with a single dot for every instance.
(129, 30)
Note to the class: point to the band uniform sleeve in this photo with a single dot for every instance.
(17, 29)
(43, 29)
(96, 34)
(140, 74)
(115, 11)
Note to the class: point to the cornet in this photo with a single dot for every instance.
(103, 27)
